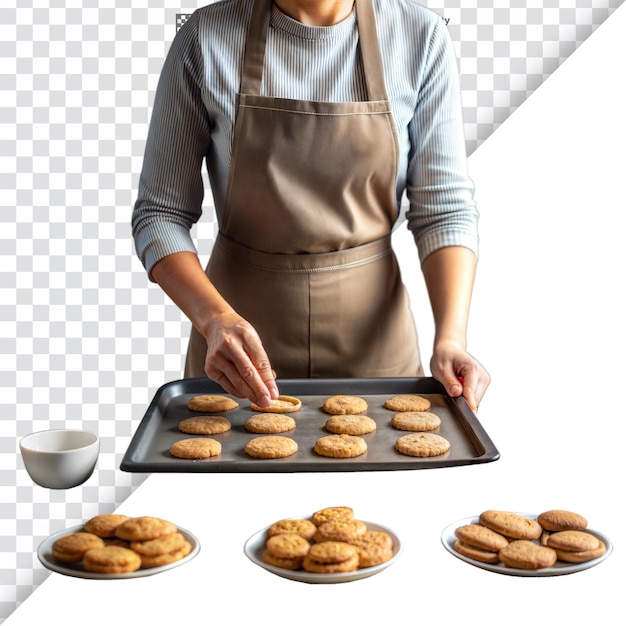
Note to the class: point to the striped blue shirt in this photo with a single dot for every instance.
(194, 108)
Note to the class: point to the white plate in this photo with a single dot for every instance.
(255, 546)
(561, 567)
(44, 553)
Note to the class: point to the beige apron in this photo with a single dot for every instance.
(304, 249)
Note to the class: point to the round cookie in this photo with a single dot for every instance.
(417, 421)
(288, 546)
(527, 555)
(407, 402)
(350, 424)
(276, 561)
(303, 527)
(556, 519)
(332, 552)
(350, 565)
(204, 425)
(161, 545)
(374, 547)
(344, 405)
(71, 548)
(340, 530)
(159, 560)
(511, 525)
(268, 423)
(271, 447)
(478, 554)
(282, 404)
(340, 446)
(332, 512)
(144, 528)
(196, 448)
(104, 525)
(212, 403)
(573, 541)
(422, 445)
(111, 560)
(481, 537)
(582, 556)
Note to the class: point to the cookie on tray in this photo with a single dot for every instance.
(270, 423)
(161, 545)
(210, 403)
(349, 565)
(104, 525)
(374, 547)
(167, 558)
(573, 541)
(111, 560)
(204, 425)
(282, 404)
(481, 537)
(271, 447)
(196, 448)
(288, 546)
(340, 530)
(284, 563)
(344, 405)
(511, 525)
(350, 424)
(71, 548)
(422, 445)
(407, 402)
(340, 446)
(416, 421)
(581, 556)
(527, 555)
(557, 519)
(478, 554)
(144, 528)
(332, 512)
(303, 527)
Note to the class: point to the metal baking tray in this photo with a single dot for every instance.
(149, 448)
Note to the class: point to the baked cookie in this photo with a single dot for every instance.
(276, 561)
(160, 545)
(340, 530)
(271, 447)
(111, 560)
(582, 556)
(478, 554)
(556, 519)
(303, 527)
(144, 528)
(374, 547)
(270, 423)
(340, 446)
(527, 555)
(344, 405)
(332, 512)
(332, 552)
(288, 546)
(481, 537)
(349, 565)
(350, 424)
(212, 404)
(511, 525)
(204, 425)
(573, 541)
(407, 402)
(422, 444)
(282, 404)
(158, 560)
(104, 525)
(417, 421)
(71, 548)
(196, 448)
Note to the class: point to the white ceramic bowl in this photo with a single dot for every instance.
(60, 459)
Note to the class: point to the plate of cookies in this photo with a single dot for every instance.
(329, 546)
(117, 546)
(552, 543)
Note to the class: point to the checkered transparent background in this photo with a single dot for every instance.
(85, 340)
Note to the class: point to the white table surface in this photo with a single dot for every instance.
(548, 322)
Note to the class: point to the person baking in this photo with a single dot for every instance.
(314, 118)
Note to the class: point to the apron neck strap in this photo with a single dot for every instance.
(252, 72)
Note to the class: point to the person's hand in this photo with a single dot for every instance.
(460, 373)
(237, 361)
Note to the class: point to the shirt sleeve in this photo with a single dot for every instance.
(171, 190)
(442, 211)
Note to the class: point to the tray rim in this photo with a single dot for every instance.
(487, 451)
